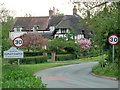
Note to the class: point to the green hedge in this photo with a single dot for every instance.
(65, 57)
(33, 54)
(30, 60)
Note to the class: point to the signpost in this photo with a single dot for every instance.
(13, 52)
(18, 42)
(113, 40)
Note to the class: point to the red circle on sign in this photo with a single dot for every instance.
(112, 38)
(19, 42)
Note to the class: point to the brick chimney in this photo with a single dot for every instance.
(51, 12)
(74, 10)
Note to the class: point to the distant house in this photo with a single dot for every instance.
(52, 26)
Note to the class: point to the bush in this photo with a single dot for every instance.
(16, 77)
(65, 57)
(35, 59)
(30, 60)
(32, 53)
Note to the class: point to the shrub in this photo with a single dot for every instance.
(32, 53)
(109, 70)
(35, 59)
(65, 57)
(30, 60)
(16, 77)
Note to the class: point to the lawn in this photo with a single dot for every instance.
(15, 76)
(37, 67)
(109, 70)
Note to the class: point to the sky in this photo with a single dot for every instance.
(37, 7)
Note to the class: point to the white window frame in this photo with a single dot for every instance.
(18, 29)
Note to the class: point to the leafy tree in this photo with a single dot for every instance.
(6, 21)
(62, 46)
(34, 41)
(6, 42)
(4, 13)
(6, 27)
(56, 45)
(118, 7)
(103, 24)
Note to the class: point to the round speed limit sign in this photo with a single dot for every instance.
(18, 42)
(113, 39)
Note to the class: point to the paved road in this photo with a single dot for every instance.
(74, 76)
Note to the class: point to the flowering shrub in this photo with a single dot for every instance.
(84, 43)
(33, 41)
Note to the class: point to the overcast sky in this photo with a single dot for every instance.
(37, 7)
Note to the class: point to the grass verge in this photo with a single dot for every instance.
(15, 76)
(109, 70)
(37, 67)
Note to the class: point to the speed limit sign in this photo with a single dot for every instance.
(18, 42)
(113, 39)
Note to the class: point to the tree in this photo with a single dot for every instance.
(103, 24)
(6, 22)
(6, 42)
(89, 9)
(56, 45)
(34, 41)
(118, 7)
(4, 13)
(62, 46)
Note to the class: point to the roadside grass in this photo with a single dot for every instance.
(37, 67)
(22, 75)
(109, 70)
(90, 59)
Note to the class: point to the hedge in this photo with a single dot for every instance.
(30, 60)
(65, 57)
(32, 54)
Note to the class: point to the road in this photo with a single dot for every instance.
(74, 76)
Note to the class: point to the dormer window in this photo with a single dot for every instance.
(35, 28)
(52, 28)
(18, 29)
(63, 31)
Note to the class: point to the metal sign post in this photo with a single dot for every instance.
(113, 54)
(18, 42)
(18, 59)
(113, 40)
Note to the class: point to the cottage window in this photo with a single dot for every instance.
(52, 28)
(18, 29)
(35, 28)
(63, 31)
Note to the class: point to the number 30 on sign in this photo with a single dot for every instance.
(113, 39)
(18, 42)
